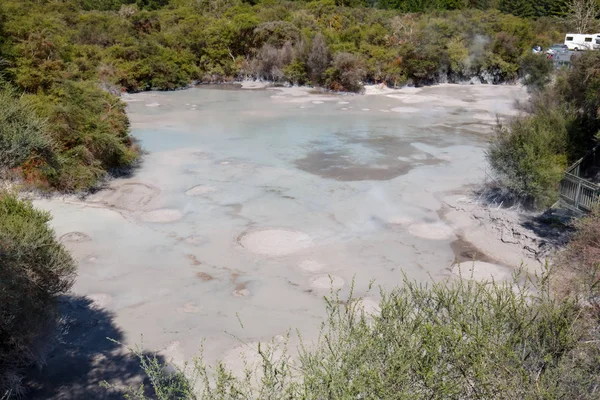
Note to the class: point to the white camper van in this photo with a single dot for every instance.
(577, 41)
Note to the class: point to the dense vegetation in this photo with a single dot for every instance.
(219, 41)
(451, 340)
(562, 123)
(64, 62)
(34, 270)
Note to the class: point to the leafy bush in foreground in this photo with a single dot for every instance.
(34, 269)
(451, 340)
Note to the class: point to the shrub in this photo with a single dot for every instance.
(295, 72)
(275, 33)
(68, 139)
(458, 55)
(92, 128)
(536, 71)
(34, 270)
(579, 270)
(318, 59)
(580, 86)
(23, 135)
(450, 340)
(270, 62)
(345, 73)
(421, 65)
(529, 155)
(102, 4)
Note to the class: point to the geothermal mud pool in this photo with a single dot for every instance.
(251, 204)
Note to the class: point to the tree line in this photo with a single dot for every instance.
(521, 8)
(64, 63)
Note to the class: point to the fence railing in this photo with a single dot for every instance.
(575, 191)
(578, 193)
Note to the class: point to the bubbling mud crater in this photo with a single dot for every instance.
(163, 215)
(274, 241)
(75, 237)
(129, 196)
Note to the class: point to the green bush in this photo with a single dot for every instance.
(92, 129)
(449, 340)
(529, 155)
(318, 59)
(458, 55)
(34, 270)
(580, 87)
(536, 70)
(23, 135)
(345, 73)
(68, 139)
(295, 72)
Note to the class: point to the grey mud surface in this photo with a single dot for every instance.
(253, 203)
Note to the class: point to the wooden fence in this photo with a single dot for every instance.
(576, 192)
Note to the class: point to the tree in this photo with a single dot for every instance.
(520, 8)
(582, 13)
(318, 59)
(536, 71)
(345, 73)
(549, 8)
(103, 5)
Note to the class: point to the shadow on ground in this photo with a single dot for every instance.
(82, 357)
(493, 194)
(553, 225)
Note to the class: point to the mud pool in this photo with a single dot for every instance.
(251, 204)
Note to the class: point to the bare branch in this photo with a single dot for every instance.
(582, 14)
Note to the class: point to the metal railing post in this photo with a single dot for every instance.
(577, 195)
